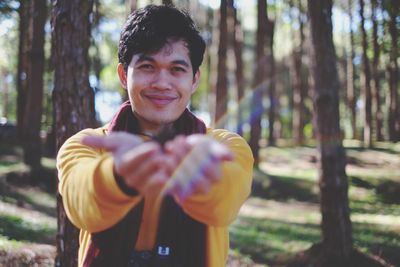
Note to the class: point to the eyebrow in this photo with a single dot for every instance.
(151, 59)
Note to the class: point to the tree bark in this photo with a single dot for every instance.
(375, 74)
(259, 85)
(336, 224)
(73, 99)
(393, 72)
(23, 43)
(34, 94)
(298, 86)
(221, 87)
(366, 82)
(132, 5)
(238, 50)
(351, 98)
(5, 102)
(270, 73)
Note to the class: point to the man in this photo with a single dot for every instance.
(155, 187)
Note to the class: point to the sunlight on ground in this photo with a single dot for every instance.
(28, 214)
(304, 212)
(274, 169)
(11, 167)
(393, 222)
(6, 244)
(300, 212)
(49, 163)
(374, 173)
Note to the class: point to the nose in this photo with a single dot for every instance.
(161, 80)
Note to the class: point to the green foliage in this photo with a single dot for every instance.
(13, 227)
(8, 62)
(8, 6)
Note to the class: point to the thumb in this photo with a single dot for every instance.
(221, 152)
(113, 141)
(99, 142)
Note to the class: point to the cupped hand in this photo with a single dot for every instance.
(142, 165)
(199, 161)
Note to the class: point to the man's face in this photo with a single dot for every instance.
(160, 85)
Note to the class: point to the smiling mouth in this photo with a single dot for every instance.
(160, 100)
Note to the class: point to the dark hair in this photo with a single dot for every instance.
(148, 29)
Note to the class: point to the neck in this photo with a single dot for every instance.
(152, 129)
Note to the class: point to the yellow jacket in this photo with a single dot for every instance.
(94, 202)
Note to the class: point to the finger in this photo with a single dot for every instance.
(170, 164)
(182, 191)
(200, 185)
(218, 150)
(95, 141)
(212, 172)
(155, 182)
(137, 159)
(149, 167)
(178, 149)
(170, 145)
(112, 142)
(221, 152)
(140, 178)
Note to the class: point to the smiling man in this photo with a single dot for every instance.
(155, 187)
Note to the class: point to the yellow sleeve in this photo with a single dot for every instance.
(92, 199)
(220, 206)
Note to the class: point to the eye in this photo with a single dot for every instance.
(178, 69)
(146, 66)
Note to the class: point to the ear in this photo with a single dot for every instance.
(196, 81)
(122, 75)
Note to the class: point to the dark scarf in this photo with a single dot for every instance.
(182, 234)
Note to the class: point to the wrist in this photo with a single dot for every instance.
(123, 186)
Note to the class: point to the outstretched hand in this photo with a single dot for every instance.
(198, 159)
(142, 165)
(186, 165)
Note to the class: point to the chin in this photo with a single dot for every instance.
(161, 120)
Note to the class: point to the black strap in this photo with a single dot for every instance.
(109, 247)
(180, 241)
(184, 236)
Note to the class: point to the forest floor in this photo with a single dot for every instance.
(277, 226)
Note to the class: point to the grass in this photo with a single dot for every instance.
(280, 219)
(14, 227)
(27, 211)
(282, 216)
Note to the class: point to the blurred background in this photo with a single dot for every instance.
(58, 75)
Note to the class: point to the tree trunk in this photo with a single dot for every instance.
(73, 99)
(259, 85)
(393, 72)
(366, 82)
(351, 98)
(6, 100)
(221, 85)
(132, 5)
(375, 73)
(96, 59)
(298, 86)
(238, 50)
(270, 73)
(336, 224)
(211, 49)
(34, 94)
(24, 17)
